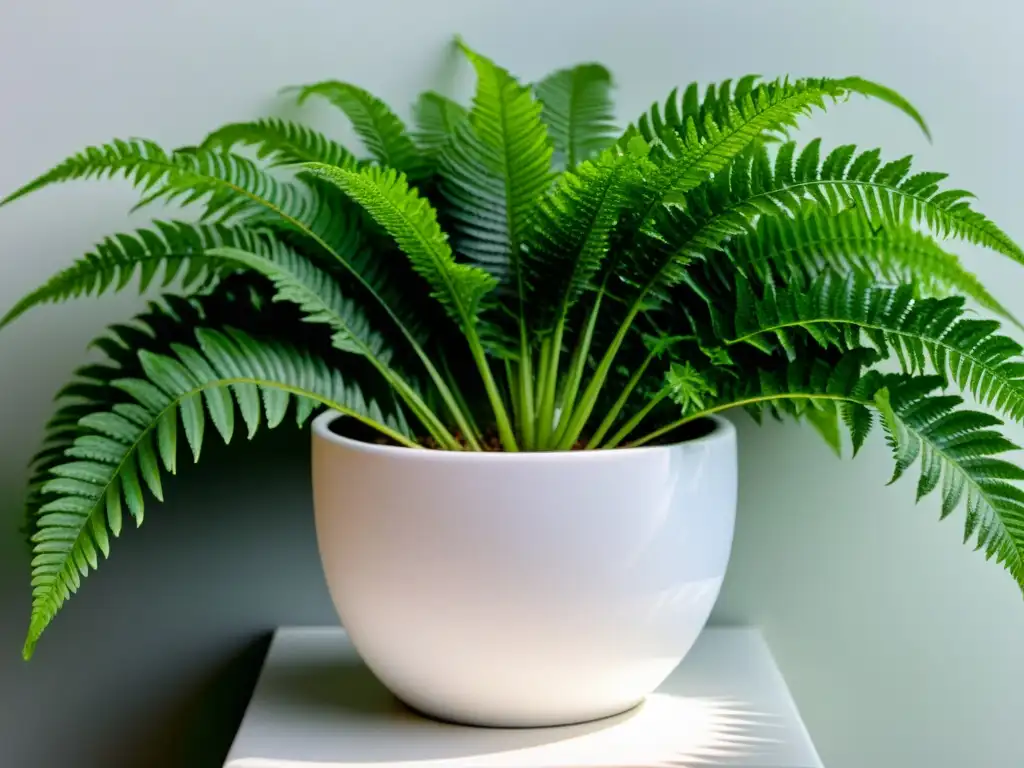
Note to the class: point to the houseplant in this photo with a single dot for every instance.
(600, 290)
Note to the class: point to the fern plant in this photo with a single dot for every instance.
(517, 274)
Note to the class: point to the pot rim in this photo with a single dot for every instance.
(723, 431)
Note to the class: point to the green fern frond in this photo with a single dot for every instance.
(958, 449)
(315, 292)
(697, 139)
(173, 246)
(958, 452)
(888, 193)
(412, 222)
(170, 319)
(437, 118)
(752, 187)
(925, 335)
(109, 470)
(578, 111)
(570, 236)
(281, 142)
(381, 130)
(141, 161)
(800, 247)
(228, 185)
(494, 170)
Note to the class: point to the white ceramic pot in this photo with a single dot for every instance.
(523, 589)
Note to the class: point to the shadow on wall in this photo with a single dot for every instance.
(152, 664)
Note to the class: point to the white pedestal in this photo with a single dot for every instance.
(317, 706)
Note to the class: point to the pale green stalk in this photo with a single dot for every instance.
(617, 407)
(630, 425)
(575, 377)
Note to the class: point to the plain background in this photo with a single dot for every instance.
(902, 647)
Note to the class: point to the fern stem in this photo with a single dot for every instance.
(512, 380)
(525, 382)
(474, 434)
(575, 377)
(590, 394)
(421, 409)
(548, 385)
(740, 404)
(505, 432)
(613, 412)
(632, 424)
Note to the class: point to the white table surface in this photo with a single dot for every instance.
(317, 706)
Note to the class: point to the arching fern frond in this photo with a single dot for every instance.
(958, 449)
(380, 129)
(578, 111)
(494, 170)
(281, 142)
(141, 161)
(697, 139)
(409, 219)
(888, 193)
(228, 185)
(437, 118)
(959, 452)
(171, 319)
(129, 447)
(318, 296)
(460, 288)
(570, 235)
(176, 247)
(800, 247)
(925, 335)
(751, 187)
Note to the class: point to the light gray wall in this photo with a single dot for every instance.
(902, 647)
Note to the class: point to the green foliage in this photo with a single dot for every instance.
(314, 292)
(958, 453)
(381, 130)
(127, 448)
(700, 137)
(797, 249)
(175, 247)
(578, 111)
(687, 387)
(571, 235)
(518, 268)
(412, 222)
(437, 118)
(493, 170)
(280, 142)
(929, 335)
(753, 187)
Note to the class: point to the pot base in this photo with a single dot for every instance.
(466, 718)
